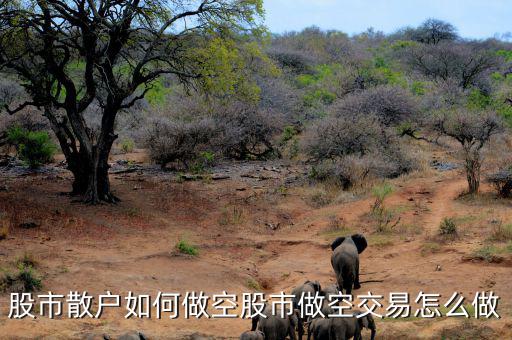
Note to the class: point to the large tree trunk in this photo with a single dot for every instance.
(473, 171)
(90, 171)
(98, 183)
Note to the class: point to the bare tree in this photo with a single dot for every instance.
(71, 54)
(465, 62)
(472, 130)
(433, 31)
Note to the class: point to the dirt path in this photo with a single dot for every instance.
(248, 234)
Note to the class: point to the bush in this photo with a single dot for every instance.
(247, 133)
(333, 138)
(127, 145)
(392, 105)
(448, 227)
(186, 248)
(34, 147)
(170, 141)
(350, 151)
(24, 280)
(501, 232)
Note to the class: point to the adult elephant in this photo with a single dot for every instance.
(276, 326)
(345, 261)
(308, 288)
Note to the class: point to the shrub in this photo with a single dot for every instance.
(127, 145)
(448, 227)
(392, 105)
(501, 232)
(383, 216)
(319, 198)
(246, 132)
(350, 152)
(184, 247)
(34, 147)
(333, 138)
(169, 141)
(24, 280)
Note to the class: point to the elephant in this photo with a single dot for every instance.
(348, 328)
(275, 327)
(252, 335)
(133, 336)
(319, 329)
(341, 328)
(311, 287)
(345, 261)
(330, 290)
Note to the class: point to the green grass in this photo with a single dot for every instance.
(23, 280)
(184, 247)
(501, 232)
(253, 284)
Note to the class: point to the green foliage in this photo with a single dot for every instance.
(34, 147)
(157, 95)
(506, 54)
(380, 192)
(321, 73)
(205, 160)
(288, 133)
(478, 100)
(448, 227)
(319, 96)
(127, 145)
(383, 216)
(23, 280)
(418, 88)
(227, 68)
(184, 247)
(253, 284)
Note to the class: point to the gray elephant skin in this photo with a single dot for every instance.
(275, 327)
(307, 288)
(252, 335)
(341, 328)
(345, 261)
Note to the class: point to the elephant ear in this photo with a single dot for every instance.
(360, 242)
(337, 242)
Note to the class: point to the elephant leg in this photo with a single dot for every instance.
(254, 323)
(300, 328)
(348, 286)
(357, 335)
(357, 285)
(339, 280)
(291, 333)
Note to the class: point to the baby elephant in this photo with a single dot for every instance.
(252, 335)
(341, 328)
(348, 328)
(307, 288)
(345, 261)
(275, 327)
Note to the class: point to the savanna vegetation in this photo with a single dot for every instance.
(226, 89)
(201, 92)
